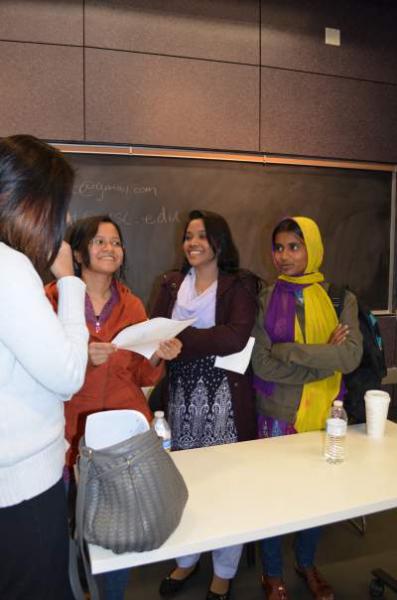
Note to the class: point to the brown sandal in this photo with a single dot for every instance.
(274, 588)
(320, 589)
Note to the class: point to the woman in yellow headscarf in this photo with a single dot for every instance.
(300, 353)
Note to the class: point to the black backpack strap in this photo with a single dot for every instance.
(337, 294)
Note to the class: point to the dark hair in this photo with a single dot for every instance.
(220, 239)
(287, 224)
(80, 234)
(36, 184)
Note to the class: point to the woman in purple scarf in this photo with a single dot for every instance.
(300, 353)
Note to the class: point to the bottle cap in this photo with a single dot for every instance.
(338, 403)
(159, 413)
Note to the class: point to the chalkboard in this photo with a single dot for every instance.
(151, 197)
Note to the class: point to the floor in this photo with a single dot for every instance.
(345, 557)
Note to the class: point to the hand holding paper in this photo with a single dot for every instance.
(237, 362)
(144, 338)
(99, 352)
(168, 349)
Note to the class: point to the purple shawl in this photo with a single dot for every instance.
(279, 322)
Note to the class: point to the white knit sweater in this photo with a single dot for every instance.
(42, 363)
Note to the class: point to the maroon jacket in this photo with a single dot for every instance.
(236, 307)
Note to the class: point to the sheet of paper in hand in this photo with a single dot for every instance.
(237, 362)
(144, 338)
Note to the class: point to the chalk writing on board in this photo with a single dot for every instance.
(99, 189)
(350, 206)
(126, 218)
(162, 217)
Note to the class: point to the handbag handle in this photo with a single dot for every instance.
(80, 545)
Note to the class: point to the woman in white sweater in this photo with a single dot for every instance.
(43, 359)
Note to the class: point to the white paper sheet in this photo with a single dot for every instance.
(105, 428)
(237, 362)
(145, 337)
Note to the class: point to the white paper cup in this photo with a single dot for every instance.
(376, 409)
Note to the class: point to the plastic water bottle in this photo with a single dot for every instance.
(162, 429)
(335, 437)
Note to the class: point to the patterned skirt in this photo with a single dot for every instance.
(200, 410)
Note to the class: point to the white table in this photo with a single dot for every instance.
(244, 492)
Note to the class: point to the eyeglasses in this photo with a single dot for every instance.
(100, 242)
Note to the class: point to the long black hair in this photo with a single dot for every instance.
(219, 238)
(36, 184)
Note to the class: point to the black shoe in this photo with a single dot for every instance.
(214, 596)
(170, 586)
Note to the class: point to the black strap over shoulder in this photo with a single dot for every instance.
(368, 374)
(337, 294)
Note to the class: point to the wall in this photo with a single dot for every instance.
(244, 75)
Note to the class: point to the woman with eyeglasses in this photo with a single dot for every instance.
(114, 377)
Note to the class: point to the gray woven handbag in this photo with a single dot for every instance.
(130, 495)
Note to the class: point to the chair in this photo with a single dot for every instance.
(360, 524)
(380, 580)
(250, 553)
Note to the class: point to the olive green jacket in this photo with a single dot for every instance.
(290, 365)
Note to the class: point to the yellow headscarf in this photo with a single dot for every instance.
(320, 322)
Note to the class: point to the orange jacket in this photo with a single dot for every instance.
(115, 384)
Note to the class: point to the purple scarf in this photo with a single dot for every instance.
(279, 322)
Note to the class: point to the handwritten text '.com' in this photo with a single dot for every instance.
(100, 189)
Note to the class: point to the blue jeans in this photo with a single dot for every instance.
(305, 545)
(114, 584)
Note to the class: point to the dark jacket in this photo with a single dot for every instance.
(236, 306)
